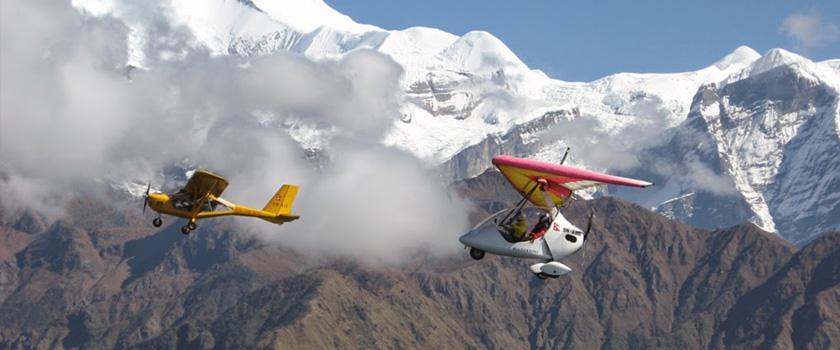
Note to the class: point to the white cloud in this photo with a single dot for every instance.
(810, 30)
(378, 203)
(70, 114)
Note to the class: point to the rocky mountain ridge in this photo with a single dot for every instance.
(103, 279)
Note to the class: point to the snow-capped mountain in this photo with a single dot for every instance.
(764, 142)
(458, 89)
(750, 137)
(773, 130)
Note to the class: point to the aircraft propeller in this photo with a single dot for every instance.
(589, 225)
(586, 234)
(146, 198)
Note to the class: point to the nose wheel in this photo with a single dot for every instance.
(476, 254)
(157, 222)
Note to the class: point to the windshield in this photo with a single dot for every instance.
(491, 220)
(185, 202)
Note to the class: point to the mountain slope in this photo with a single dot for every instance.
(630, 270)
(771, 133)
(632, 291)
(797, 307)
(644, 282)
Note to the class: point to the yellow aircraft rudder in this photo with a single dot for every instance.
(281, 203)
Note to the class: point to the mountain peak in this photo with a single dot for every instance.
(742, 56)
(778, 57)
(308, 15)
(479, 51)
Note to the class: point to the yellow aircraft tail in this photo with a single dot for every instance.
(281, 203)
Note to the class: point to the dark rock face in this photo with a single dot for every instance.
(771, 138)
(798, 117)
(475, 159)
(675, 164)
(644, 281)
(445, 94)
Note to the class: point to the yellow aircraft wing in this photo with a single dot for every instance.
(203, 182)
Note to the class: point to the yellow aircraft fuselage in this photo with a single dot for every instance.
(162, 203)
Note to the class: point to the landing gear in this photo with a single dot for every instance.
(157, 222)
(190, 226)
(542, 276)
(476, 254)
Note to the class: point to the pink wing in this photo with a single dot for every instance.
(561, 179)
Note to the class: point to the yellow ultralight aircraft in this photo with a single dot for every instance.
(200, 199)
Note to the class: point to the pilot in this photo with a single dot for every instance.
(518, 229)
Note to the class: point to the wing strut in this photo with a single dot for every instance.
(201, 201)
(565, 155)
(537, 184)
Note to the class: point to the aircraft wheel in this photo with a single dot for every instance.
(476, 254)
(185, 229)
(157, 222)
(542, 276)
(191, 225)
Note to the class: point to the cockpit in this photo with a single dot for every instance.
(185, 202)
(520, 225)
(529, 224)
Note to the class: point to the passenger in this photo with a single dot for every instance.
(541, 227)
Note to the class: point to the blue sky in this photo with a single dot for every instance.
(584, 40)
